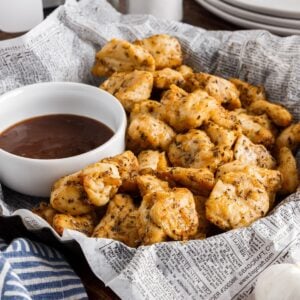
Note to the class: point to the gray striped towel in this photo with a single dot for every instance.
(30, 270)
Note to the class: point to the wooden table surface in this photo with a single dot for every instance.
(196, 15)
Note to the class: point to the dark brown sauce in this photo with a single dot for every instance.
(54, 136)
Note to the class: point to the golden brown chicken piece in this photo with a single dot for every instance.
(289, 137)
(165, 49)
(252, 129)
(45, 211)
(225, 118)
(120, 221)
(147, 132)
(194, 149)
(175, 212)
(287, 165)
(149, 183)
(129, 88)
(85, 223)
(68, 196)
(199, 181)
(101, 182)
(152, 107)
(247, 152)
(220, 136)
(277, 113)
(122, 56)
(185, 111)
(203, 223)
(219, 88)
(270, 179)
(164, 78)
(151, 161)
(149, 233)
(185, 71)
(237, 200)
(248, 93)
(128, 167)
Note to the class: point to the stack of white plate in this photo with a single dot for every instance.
(278, 16)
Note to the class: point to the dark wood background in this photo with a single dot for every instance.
(195, 15)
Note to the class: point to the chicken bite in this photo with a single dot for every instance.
(120, 221)
(147, 132)
(257, 133)
(151, 161)
(165, 49)
(45, 211)
(149, 233)
(270, 179)
(149, 183)
(220, 136)
(164, 78)
(128, 167)
(185, 71)
(277, 113)
(247, 152)
(84, 223)
(122, 56)
(237, 200)
(289, 137)
(248, 93)
(68, 196)
(199, 181)
(287, 165)
(129, 88)
(152, 107)
(164, 214)
(219, 88)
(101, 182)
(194, 149)
(185, 111)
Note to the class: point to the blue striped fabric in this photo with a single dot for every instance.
(30, 270)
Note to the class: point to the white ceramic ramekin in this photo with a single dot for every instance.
(35, 176)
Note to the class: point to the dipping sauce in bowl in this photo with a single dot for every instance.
(54, 136)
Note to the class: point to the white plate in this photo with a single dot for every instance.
(256, 17)
(246, 23)
(280, 8)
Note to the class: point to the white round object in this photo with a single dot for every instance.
(36, 176)
(280, 8)
(20, 15)
(246, 23)
(164, 9)
(278, 282)
(253, 16)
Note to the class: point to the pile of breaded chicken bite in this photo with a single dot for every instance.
(203, 152)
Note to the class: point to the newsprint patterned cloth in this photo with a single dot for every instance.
(30, 270)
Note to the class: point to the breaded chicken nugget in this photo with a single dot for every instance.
(247, 152)
(129, 88)
(68, 196)
(84, 223)
(164, 78)
(199, 181)
(219, 88)
(128, 167)
(101, 182)
(151, 161)
(120, 221)
(165, 49)
(277, 113)
(45, 211)
(248, 93)
(237, 200)
(122, 56)
(289, 137)
(147, 132)
(287, 165)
